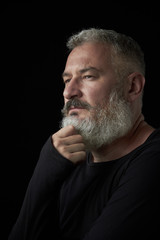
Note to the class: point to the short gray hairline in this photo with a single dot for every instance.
(109, 37)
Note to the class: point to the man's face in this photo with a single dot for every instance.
(94, 104)
(89, 77)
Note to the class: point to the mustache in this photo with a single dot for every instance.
(75, 103)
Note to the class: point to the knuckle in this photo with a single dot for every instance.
(83, 146)
(68, 156)
(83, 155)
(63, 149)
(79, 157)
(80, 138)
(57, 142)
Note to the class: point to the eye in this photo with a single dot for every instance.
(88, 76)
(67, 81)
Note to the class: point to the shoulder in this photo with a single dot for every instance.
(150, 147)
(154, 137)
(145, 160)
(152, 144)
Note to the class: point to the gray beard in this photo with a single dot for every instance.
(105, 124)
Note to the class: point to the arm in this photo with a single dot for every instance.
(38, 218)
(134, 207)
(39, 211)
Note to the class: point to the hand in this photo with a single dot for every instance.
(69, 144)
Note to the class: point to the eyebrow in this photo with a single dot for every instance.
(83, 70)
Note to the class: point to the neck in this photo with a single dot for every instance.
(124, 145)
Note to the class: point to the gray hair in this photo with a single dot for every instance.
(127, 55)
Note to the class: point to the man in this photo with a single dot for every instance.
(98, 176)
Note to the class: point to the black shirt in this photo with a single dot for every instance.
(113, 200)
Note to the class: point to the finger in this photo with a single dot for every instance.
(67, 131)
(76, 157)
(72, 139)
(64, 133)
(60, 142)
(74, 148)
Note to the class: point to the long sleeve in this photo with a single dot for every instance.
(38, 218)
(107, 201)
(133, 209)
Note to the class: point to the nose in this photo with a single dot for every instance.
(72, 90)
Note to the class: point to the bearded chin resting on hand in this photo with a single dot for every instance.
(106, 123)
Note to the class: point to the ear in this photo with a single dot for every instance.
(136, 82)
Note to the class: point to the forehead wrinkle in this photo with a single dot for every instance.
(83, 70)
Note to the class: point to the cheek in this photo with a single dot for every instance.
(97, 95)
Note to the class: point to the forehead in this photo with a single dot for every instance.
(89, 54)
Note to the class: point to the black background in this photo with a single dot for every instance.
(33, 54)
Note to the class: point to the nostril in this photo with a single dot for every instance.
(72, 92)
